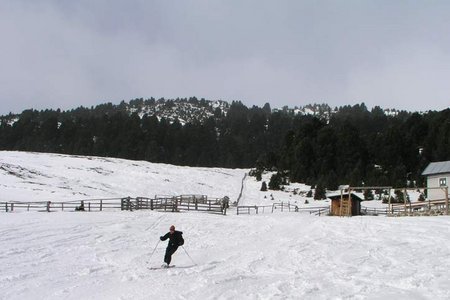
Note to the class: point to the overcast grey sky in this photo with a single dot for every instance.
(63, 54)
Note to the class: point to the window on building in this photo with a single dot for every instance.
(442, 181)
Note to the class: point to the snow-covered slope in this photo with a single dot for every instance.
(107, 255)
(41, 177)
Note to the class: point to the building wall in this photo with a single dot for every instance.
(336, 207)
(355, 207)
(433, 181)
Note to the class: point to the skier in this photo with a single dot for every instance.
(175, 240)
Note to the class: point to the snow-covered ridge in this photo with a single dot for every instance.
(185, 111)
(51, 177)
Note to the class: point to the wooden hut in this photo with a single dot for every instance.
(345, 204)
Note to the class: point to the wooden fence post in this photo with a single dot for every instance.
(12, 207)
(48, 206)
(101, 204)
(225, 204)
(446, 201)
(62, 206)
(174, 204)
(404, 200)
(6, 206)
(89, 206)
(391, 207)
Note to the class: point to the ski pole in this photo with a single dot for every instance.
(153, 250)
(188, 255)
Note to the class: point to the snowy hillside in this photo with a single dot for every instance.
(107, 255)
(41, 177)
(184, 110)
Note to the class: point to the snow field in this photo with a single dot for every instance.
(106, 255)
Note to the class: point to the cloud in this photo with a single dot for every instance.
(65, 54)
(407, 76)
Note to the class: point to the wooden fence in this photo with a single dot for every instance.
(320, 211)
(371, 211)
(172, 204)
(420, 208)
(177, 203)
(89, 205)
(280, 207)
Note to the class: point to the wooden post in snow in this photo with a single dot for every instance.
(446, 201)
(404, 200)
(389, 201)
(349, 203)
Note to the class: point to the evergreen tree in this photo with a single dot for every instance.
(352, 145)
(275, 181)
(320, 192)
(263, 187)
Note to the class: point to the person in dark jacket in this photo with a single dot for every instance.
(175, 240)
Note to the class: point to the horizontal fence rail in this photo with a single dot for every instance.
(280, 207)
(322, 211)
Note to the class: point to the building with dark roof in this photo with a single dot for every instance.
(438, 175)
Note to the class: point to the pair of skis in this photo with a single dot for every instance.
(164, 266)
